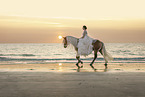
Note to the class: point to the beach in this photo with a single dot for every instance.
(42, 40)
(65, 80)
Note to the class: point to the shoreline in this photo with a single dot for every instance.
(71, 67)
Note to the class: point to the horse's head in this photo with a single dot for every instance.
(65, 42)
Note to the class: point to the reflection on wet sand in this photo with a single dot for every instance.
(60, 67)
(95, 70)
(71, 67)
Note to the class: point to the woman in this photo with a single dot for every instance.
(85, 43)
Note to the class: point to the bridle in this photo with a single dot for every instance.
(65, 42)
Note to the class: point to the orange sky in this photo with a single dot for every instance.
(41, 21)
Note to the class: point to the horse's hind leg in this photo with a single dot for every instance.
(101, 51)
(79, 61)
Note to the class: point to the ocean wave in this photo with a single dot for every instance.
(57, 54)
(17, 55)
(27, 54)
(42, 59)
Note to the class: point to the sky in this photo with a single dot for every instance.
(42, 21)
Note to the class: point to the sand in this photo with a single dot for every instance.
(64, 80)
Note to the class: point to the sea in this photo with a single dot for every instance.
(44, 53)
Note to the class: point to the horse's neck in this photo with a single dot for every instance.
(73, 41)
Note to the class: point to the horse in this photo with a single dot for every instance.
(98, 46)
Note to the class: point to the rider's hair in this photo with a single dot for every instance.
(84, 27)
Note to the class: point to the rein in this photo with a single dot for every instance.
(77, 41)
(65, 40)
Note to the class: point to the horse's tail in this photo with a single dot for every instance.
(106, 55)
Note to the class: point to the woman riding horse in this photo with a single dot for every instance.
(85, 45)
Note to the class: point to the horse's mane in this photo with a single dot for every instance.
(71, 37)
(72, 40)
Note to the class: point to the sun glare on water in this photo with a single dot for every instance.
(60, 37)
(60, 64)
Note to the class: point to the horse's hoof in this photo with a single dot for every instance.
(82, 66)
(95, 70)
(105, 65)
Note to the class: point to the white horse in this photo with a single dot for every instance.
(98, 46)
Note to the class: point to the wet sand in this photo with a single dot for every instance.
(71, 67)
(64, 80)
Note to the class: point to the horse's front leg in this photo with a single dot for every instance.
(95, 56)
(79, 61)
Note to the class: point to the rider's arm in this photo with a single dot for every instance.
(84, 34)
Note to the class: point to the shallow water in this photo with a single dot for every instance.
(51, 53)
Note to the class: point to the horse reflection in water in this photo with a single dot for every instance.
(95, 70)
(98, 46)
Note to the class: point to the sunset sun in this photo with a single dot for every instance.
(60, 37)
